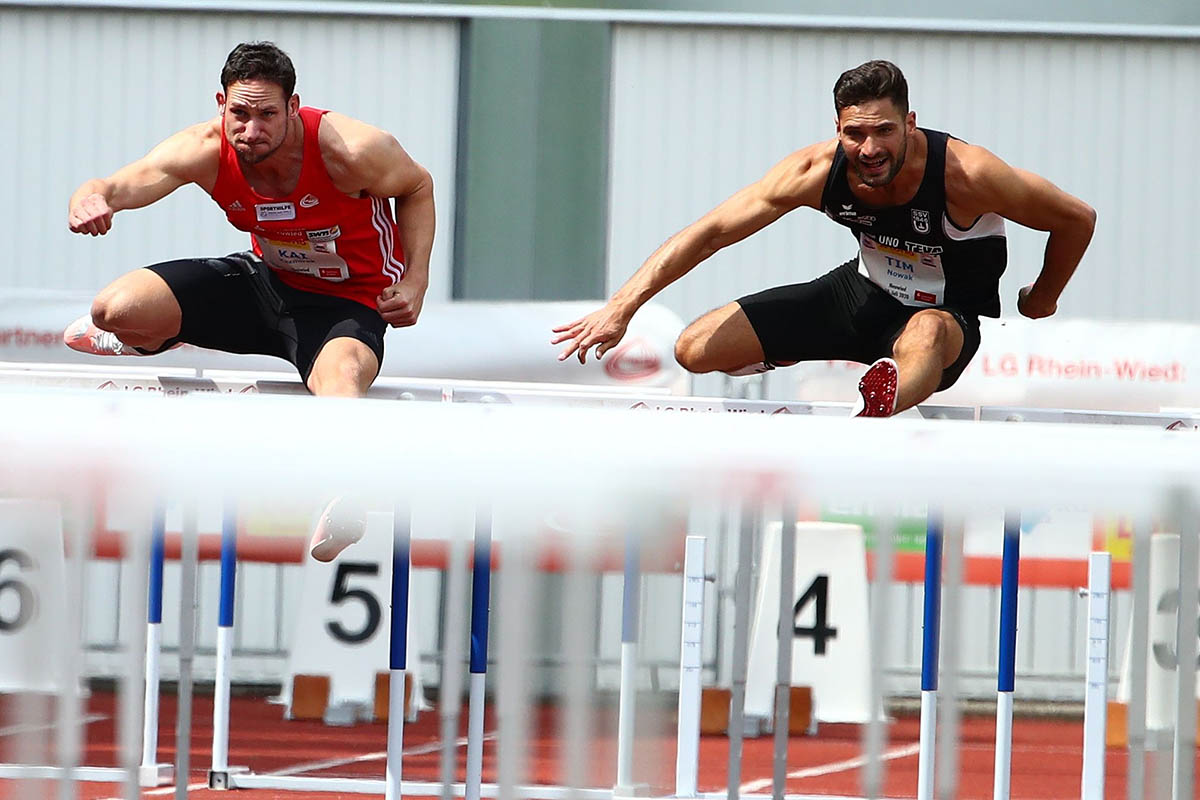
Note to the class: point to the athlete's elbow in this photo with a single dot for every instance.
(1085, 218)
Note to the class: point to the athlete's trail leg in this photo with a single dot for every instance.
(930, 342)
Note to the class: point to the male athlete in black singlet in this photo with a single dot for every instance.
(927, 211)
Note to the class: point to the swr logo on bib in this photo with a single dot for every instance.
(270, 212)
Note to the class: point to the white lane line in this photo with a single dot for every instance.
(829, 769)
(32, 727)
(421, 749)
(418, 750)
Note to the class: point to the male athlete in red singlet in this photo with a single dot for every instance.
(330, 266)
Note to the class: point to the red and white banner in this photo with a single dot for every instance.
(460, 340)
(1086, 364)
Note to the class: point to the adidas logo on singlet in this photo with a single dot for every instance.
(308, 201)
(236, 205)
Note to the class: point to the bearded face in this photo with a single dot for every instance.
(874, 136)
(256, 117)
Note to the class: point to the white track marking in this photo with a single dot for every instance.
(829, 769)
(31, 727)
(418, 750)
(422, 749)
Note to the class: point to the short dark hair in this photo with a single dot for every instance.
(259, 61)
(874, 80)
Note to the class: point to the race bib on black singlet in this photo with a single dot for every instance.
(915, 279)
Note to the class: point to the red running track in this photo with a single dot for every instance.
(1046, 760)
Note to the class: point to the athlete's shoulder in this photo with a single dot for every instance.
(191, 154)
(816, 158)
(352, 149)
(969, 164)
(799, 179)
(348, 139)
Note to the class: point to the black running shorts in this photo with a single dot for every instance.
(842, 316)
(236, 304)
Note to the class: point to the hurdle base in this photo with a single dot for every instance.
(220, 779)
(632, 790)
(151, 775)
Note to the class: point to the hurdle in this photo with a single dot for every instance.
(149, 772)
(899, 438)
(391, 786)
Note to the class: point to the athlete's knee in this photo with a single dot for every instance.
(344, 377)
(111, 311)
(690, 350)
(927, 330)
(930, 331)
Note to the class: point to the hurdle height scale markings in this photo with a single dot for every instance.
(687, 757)
(1095, 714)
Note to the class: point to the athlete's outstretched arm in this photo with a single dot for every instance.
(795, 181)
(375, 162)
(1033, 201)
(187, 157)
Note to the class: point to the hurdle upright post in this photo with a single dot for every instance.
(930, 639)
(785, 638)
(153, 773)
(1006, 671)
(687, 753)
(398, 648)
(741, 638)
(627, 692)
(450, 688)
(481, 587)
(189, 557)
(133, 604)
(1183, 778)
(1095, 709)
(218, 774)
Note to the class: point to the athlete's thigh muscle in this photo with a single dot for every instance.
(839, 316)
(313, 320)
(221, 308)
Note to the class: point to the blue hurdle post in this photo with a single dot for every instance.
(158, 536)
(221, 715)
(1006, 673)
(930, 639)
(481, 587)
(398, 647)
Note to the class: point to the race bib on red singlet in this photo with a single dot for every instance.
(308, 253)
(915, 279)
